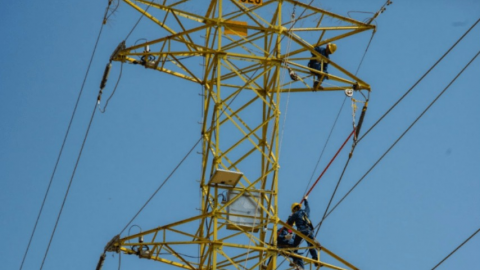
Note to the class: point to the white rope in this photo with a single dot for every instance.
(289, 43)
(282, 77)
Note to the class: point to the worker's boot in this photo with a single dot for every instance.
(317, 86)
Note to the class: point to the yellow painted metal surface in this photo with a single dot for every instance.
(236, 28)
(244, 47)
(252, 2)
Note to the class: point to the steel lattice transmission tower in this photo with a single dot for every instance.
(239, 51)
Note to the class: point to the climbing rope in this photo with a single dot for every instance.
(294, 77)
(282, 78)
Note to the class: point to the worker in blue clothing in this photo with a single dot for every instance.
(321, 65)
(300, 217)
(285, 240)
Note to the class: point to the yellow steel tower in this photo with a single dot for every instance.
(241, 52)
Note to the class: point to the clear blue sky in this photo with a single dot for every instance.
(418, 204)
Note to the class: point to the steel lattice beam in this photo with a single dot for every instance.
(244, 50)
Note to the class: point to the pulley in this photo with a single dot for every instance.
(349, 92)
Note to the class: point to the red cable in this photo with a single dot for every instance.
(328, 165)
(349, 136)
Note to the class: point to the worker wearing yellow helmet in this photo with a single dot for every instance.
(295, 205)
(321, 64)
(300, 217)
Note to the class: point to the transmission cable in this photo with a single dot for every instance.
(344, 169)
(419, 80)
(113, 11)
(166, 180)
(331, 198)
(358, 68)
(65, 138)
(139, 19)
(471, 236)
(365, 53)
(356, 130)
(69, 184)
(160, 187)
(119, 260)
(321, 154)
(355, 142)
(401, 136)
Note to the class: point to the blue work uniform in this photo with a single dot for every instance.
(304, 225)
(283, 242)
(319, 65)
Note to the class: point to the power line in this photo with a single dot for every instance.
(160, 187)
(365, 53)
(64, 139)
(139, 19)
(69, 184)
(419, 80)
(83, 144)
(401, 136)
(353, 147)
(381, 118)
(166, 180)
(326, 168)
(333, 195)
(455, 250)
(358, 68)
(357, 131)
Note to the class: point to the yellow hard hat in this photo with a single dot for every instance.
(295, 205)
(332, 47)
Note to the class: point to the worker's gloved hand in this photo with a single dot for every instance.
(289, 236)
(306, 197)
